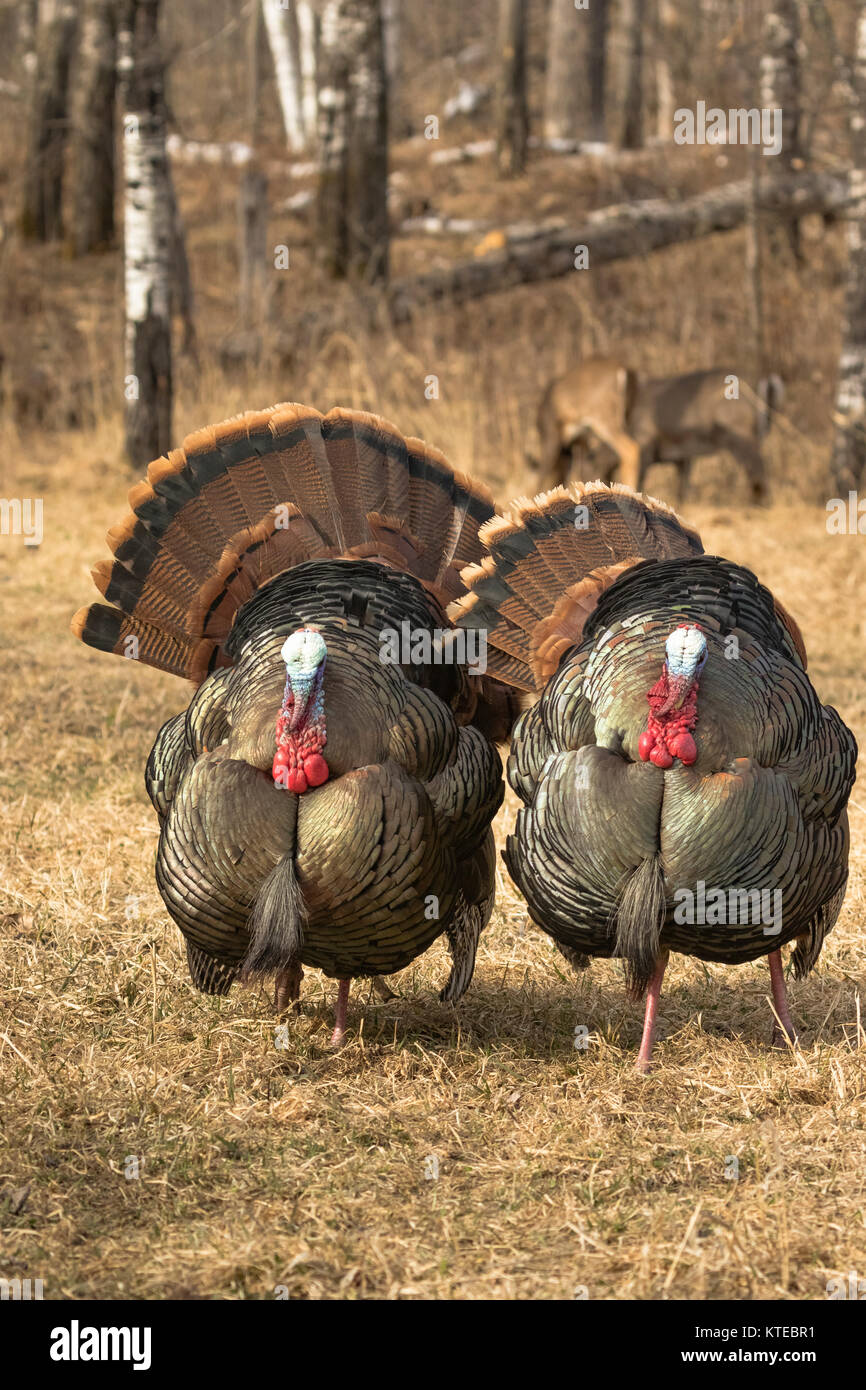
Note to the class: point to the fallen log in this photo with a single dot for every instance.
(615, 233)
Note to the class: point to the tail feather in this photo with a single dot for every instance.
(550, 559)
(242, 501)
(639, 921)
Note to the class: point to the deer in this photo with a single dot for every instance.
(644, 420)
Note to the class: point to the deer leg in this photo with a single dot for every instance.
(784, 1031)
(654, 989)
(382, 989)
(554, 456)
(339, 1033)
(684, 467)
(749, 456)
(287, 988)
(631, 463)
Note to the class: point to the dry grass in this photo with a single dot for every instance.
(262, 1167)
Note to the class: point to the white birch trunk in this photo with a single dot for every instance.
(352, 206)
(287, 70)
(666, 28)
(307, 56)
(848, 464)
(148, 234)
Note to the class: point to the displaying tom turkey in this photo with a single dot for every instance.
(325, 799)
(678, 763)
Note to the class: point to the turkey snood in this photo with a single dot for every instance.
(301, 734)
(673, 700)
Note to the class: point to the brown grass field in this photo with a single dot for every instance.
(259, 1166)
(560, 1172)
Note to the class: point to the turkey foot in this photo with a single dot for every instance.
(784, 1032)
(339, 1032)
(654, 989)
(287, 988)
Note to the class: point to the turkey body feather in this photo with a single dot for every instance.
(684, 788)
(321, 800)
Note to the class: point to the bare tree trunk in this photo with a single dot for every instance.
(781, 89)
(282, 32)
(352, 207)
(848, 459)
(634, 19)
(392, 29)
(599, 16)
(28, 12)
(754, 267)
(630, 229)
(94, 134)
(513, 133)
(564, 97)
(149, 235)
(253, 196)
(42, 214)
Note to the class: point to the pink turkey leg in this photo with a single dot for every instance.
(340, 1022)
(654, 989)
(780, 1000)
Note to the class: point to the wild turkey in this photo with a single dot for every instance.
(325, 799)
(678, 747)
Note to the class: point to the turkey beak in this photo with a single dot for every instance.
(678, 689)
(302, 691)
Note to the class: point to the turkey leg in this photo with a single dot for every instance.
(654, 989)
(288, 988)
(339, 1032)
(784, 1031)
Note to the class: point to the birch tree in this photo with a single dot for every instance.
(281, 24)
(848, 459)
(564, 95)
(308, 39)
(781, 88)
(149, 232)
(94, 134)
(352, 201)
(56, 24)
(666, 29)
(513, 112)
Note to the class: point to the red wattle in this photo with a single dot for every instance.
(660, 757)
(683, 746)
(296, 781)
(316, 770)
(645, 745)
